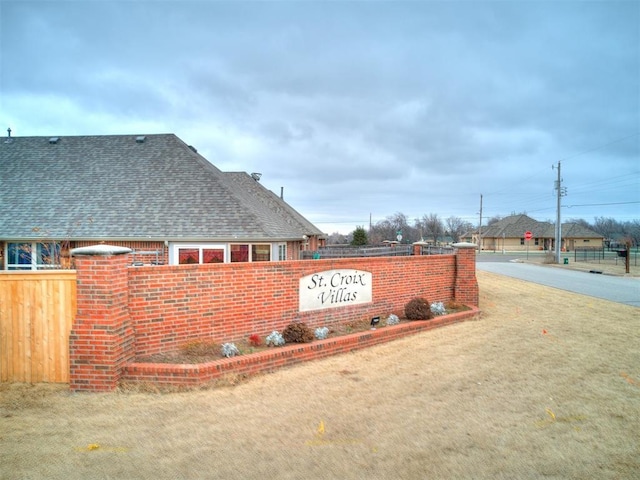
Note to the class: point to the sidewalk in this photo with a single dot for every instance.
(611, 265)
(608, 266)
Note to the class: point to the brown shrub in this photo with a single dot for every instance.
(298, 332)
(418, 309)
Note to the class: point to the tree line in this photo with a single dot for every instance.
(431, 228)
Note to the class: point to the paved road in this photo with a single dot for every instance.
(617, 289)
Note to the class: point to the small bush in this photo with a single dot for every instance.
(255, 340)
(230, 350)
(418, 309)
(297, 332)
(321, 333)
(393, 319)
(438, 308)
(274, 339)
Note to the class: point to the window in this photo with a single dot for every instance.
(239, 253)
(195, 254)
(188, 256)
(260, 252)
(282, 251)
(201, 253)
(522, 241)
(20, 256)
(212, 255)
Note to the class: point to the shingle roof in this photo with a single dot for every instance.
(118, 187)
(575, 230)
(515, 226)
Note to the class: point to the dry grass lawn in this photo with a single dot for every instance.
(545, 384)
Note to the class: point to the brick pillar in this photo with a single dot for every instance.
(101, 340)
(466, 286)
(417, 247)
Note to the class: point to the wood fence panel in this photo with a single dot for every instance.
(37, 310)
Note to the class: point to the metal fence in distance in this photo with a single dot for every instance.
(603, 255)
(367, 251)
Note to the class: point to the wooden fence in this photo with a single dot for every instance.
(37, 310)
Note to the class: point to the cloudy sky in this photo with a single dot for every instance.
(358, 109)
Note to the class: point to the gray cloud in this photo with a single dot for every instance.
(353, 107)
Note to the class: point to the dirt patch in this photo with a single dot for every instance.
(546, 384)
(202, 351)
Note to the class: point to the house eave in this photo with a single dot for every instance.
(172, 239)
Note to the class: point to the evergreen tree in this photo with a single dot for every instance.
(359, 237)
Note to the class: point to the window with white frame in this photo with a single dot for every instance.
(185, 254)
(282, 251)
(250, 252)
(193, 253)
(32, 255)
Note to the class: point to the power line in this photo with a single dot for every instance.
(600, 146)
(599, 204)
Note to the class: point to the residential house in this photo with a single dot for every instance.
(152, 193)
(508, 234)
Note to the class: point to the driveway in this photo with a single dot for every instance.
(624, 290)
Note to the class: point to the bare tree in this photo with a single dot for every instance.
(632, 230)
(493, 220)
(390, 227)
(456, 227)
(580, 221)
(607, 227)
(432, 226)
(337, 238)
(380, 231)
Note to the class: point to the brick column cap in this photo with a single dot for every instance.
(465, 245)
(100, 250)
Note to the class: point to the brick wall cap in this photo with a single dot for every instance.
(100, 250)
(465, 245)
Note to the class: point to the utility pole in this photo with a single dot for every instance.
(480, 228)
(562, 191)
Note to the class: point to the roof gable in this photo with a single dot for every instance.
(515, 226)
(274, 213)
(127, 187)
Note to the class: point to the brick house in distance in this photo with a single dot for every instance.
(151, 193)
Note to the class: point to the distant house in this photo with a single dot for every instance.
(509, 234)
(152, 193)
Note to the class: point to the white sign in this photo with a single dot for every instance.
(335, 288)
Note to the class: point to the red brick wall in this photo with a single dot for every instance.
(126, 311)
(101, 337)
(466, 284)
(171, 305)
